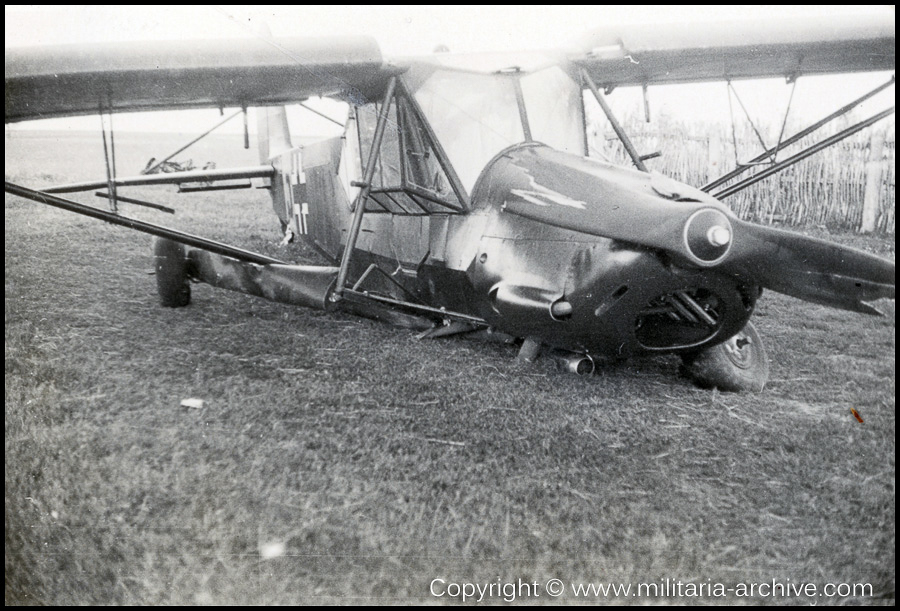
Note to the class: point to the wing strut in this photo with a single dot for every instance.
(733, 91)
(366, 185)
(150, 169)
(617, 127)
(775, 168)
(799, 135)
(109, 159)
(787, 112)
(321, 114)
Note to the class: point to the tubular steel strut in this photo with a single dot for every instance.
(620, 132)
(158, 230)
(775, 168)
(799, 135)
(366, 187)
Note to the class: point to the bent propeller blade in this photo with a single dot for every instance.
(691, 227)
(809, 268)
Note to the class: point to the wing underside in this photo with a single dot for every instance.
(654, 54)
(68, 80)
(71, 80)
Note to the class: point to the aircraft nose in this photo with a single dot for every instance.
(571, 192)
(718, 235)
(707, 236)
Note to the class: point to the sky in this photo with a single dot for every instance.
(418, 30)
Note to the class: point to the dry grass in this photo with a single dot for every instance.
(380, 462)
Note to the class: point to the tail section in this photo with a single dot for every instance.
(309, 191)
(317, 210)
(273, 134)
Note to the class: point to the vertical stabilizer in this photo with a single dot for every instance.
(272, 132)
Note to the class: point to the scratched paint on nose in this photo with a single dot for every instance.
(540, 195)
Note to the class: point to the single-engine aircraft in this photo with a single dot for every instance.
(461, 191)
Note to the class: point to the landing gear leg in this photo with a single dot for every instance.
(739, 364)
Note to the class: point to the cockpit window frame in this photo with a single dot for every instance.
(570, 123)
(400, 195)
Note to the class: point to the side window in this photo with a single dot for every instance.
(474, 116)
(409, 178)
(350, 168)
(422, 167)
(387, 170)
(555, 110)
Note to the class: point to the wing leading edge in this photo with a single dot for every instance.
(656, 54)
(66, 80)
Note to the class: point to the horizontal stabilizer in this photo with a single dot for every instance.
(138, 225)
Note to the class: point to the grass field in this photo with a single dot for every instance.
(339, 460)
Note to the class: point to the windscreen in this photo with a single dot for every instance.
(555, 109)
(475, 116)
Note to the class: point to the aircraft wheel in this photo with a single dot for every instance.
(171, 274)
(736, 365)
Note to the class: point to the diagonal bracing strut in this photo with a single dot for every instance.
(158, 230)
(799, 135)
(366, 187)
(774, 169)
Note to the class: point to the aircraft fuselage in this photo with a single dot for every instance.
(565, 288)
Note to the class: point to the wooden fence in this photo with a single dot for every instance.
(830, 189)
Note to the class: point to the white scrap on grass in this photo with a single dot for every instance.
(271, 550)
(195, 403)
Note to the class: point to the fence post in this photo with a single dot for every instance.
(872, 197)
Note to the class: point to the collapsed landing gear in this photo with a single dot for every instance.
(736, 365)
(171, 273)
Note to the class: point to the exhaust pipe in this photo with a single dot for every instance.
(573, 362)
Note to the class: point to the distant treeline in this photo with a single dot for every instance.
(825, 190)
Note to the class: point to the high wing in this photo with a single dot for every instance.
(69, 80)
(658, 54)
(65, 80)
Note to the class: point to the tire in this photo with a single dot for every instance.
(736, 365)
(172, 283)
